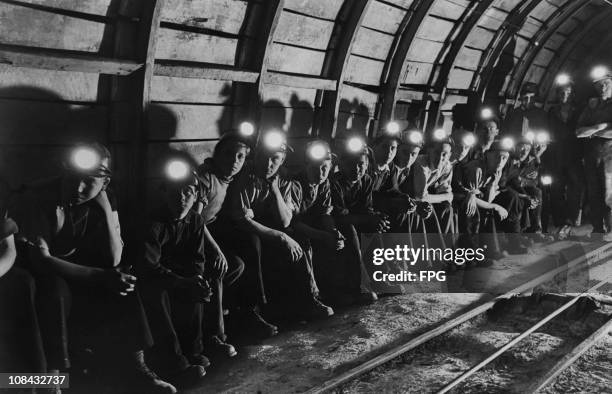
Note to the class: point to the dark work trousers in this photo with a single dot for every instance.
(21, 347)
(243, 282)
(289, 283)
(441, 219)
(339, 272)
(469, 226)
(598, 170)
(532, 222)
(81, 315)
(567, 192)
(510, 200)
(507, 230)
(176, 324)
(213, 311)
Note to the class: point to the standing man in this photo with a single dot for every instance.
(595, 126)
(527, 116)
(84, 298)
(488, 135)
(564, 162)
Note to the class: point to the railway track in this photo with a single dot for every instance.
(589, 259)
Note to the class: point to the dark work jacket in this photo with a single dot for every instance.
(173, 247)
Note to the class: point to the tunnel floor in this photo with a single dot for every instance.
(305, 355)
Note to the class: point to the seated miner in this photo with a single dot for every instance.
(20, 339)
(263, 203)
(243, 293)
(240, 286)
(85, 301)
(386, 196)
(431, 178)
(493, 188)
(353, 210)
(314, 222)
(175, 276)
(411, 143)
(595, 128)
(465, 192)
(489, 133)
(527, 179)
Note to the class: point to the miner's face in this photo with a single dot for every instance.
(385, 151)
(318, 172)
(406, 155)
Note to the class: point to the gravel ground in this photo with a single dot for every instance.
(438, 362)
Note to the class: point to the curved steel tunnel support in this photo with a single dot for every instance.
(335, 67)
(397, 58)
(511, 26)
(554, 67)
(456, 44)
(537, 43)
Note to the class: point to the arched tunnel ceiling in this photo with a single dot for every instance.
(329, 65)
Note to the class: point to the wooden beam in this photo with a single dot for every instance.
(141, 99)
(410, 95)
(299, 81)
(537, 43)
(64, 60)
(335, 65)
(397, 57)
(204, 71)
(509, 28)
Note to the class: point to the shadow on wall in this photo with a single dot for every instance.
(353, 117)
(37, 129)
(501, 74)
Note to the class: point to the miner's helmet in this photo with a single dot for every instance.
(440, 136)
(243, 134)
(353, 145)
(412, 138)
(89, 160)
(318, 151)
(273, 141)
(487, 113)
(505, 144)
(563, 80)
(465, 138)
(600, 73)
(179, 172)
(392, 131)
(526, 139)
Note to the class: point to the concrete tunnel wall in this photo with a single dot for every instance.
(147, 77)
